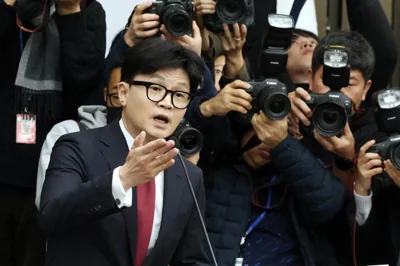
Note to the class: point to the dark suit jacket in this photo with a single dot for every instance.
(83, 223)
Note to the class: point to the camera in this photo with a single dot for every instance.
(388, 111)
(176, 15)
(230, 12)
(389, 149)
(187, 139)
(331, 112)
(270, 96)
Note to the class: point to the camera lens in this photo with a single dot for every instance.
(329, 119)
(176, 20)
(190, 142)
(230, 11)
(395, 156)
(276, 105)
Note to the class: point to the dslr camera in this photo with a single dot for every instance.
(230, 12)
(176, 15)
(332, 110)
(187, 139)
(388, 111)
(389, 149)
(271, 95)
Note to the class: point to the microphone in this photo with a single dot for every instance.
(203, 225)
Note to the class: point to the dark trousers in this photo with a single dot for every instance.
(21, 242)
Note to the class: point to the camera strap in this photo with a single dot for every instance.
(296, 9)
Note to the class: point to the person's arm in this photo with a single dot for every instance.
(192, 249)
(55, 133)
(68, 199)
(380, 35)
(363, 207)
(7, 16)
(319, 194)
(83, 45)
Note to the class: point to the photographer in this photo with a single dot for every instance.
(340, 151)
(291, 227)
(41, 74)
(142, 25)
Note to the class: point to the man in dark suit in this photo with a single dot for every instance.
(116, 195)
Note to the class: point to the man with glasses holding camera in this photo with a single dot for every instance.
(117, 195)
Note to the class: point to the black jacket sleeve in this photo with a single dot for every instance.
(7, 18)
(83, 45)
(192, 247)
(319, 194)
(368, 18)
(68, 200)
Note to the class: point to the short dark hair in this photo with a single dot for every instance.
(361, 54)
(303, 33)
(154, 54)
(118, 63)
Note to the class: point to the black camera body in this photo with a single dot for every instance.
(176, 15)
(331, 112)
(388, 111)
(270, 96)
(389, 149)
(187, 139)
(230, 12)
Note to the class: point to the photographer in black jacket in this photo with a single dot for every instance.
(304, 195)
(81, 44)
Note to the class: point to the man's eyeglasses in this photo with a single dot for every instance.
(114, 100)
(156, 93)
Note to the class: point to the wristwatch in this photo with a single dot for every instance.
(344, 164)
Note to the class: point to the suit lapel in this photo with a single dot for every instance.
(173, 185)
(115, 151)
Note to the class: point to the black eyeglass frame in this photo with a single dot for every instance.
(147, 85)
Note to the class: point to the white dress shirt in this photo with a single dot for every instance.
(363, 207)
(125, 197)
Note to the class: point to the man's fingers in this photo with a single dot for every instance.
(227, 33)
(151, 146)
(140, 8)
(298, 114)
(148, 25)
(153, 155)
(241, 102)
(303, 94)
(147, 18)
(243, 32)
(206, 6)
(148, 33)
(302, 106)
(196, 31)
(164, 158)
(365, 147)
(372, 156)
(373, 163)
(236, 31)
(139, 140)
(375, 171)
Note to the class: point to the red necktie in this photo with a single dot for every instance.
(146, 198)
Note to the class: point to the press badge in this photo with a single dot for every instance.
(239, 262)
(26, 129)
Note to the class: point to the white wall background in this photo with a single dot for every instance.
(118, 11)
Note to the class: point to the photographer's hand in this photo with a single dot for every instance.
(294, 127)
(10, 2)
(232, 45)
(194, 43)
(393, 172)
(270, 132)
(68, 7)
(368, 166)
(144, 162)
(342, 147)
(232, 97)
(142, 25)
(300, 110)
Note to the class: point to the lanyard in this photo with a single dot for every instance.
(21, 41)
(260, 217)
